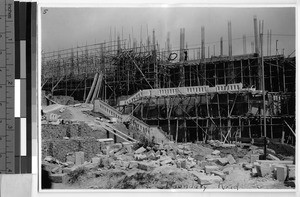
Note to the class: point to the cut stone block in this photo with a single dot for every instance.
(231, 160)
(264, 169)
(291, 172)
(219, 173)
(222, 161)
(96, 160)
(281, 173)
(70, 158)
(157, 154)
(254, 172)
(216, 152)
(182, 163)
(133, 164)
(208, 180)
(180, 151)
(140, 157)
(209, 169)
(79, 158)
(146, 166)
(204, 179)
(166, 161)
(152, 156)
(212, 158)
(140, 150)
(254, 158)
(248, 166)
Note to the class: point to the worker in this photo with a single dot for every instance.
(185, 55)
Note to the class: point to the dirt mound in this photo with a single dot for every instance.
(282, 149)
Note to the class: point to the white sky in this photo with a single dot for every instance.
(66, 27)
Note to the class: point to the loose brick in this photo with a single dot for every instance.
(209, 169)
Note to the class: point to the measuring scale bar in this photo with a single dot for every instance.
(7, 77)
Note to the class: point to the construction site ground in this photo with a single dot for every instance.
(147, 165)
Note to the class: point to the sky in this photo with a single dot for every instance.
(68, 27)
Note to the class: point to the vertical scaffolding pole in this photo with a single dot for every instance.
(221, 46)
(263, 90)
(229, 39)
(270, 42)
(255, 35)
(244, 45)
(202, 43)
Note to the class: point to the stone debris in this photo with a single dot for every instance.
(291, 172)
(204, 179)
(147, 166)
(227, 170)
(230, 158)
(205, 165)
(140, 150)
(209, 169)
(254, 158)
(140, 157)
(79, 158)
(216, 152)
(272, 157)
(219, 173)
(281, 173)
(222, 161)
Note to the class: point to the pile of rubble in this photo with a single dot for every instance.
(187, 165)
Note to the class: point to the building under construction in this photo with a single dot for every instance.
(188, 93)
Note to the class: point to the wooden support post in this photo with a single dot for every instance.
(176, 137)
(207, 125)
(249, 125)
(240, 127)
(283, 75)
(215, 69)
(282, 137)
(224, 68)
(255, 35)
(242, 74)
(221, 46)
(271, 125)
(197, 117)
(185, 130)
(202, 43)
